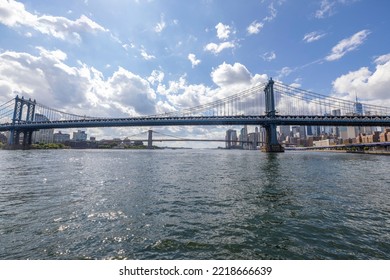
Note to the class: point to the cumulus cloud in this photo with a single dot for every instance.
(254, 27)
(42, 76)
(13, 14)
(370, 85)
(217, 48)
(194, 60)
(229, 79)
(313, 36)
(348, 45)
(223, 31)
(226, 74)
(80, 89)
(156, 76)
(130, 89)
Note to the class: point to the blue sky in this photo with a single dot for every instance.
(139, 57)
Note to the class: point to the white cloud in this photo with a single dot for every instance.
(328, 7)
(217, 48)
(285, 72)
(14, 15)
(44, 76)
(79, 89)
(160, 26)
(128, 46)
(229, 78)
(254, 27)
(223, 31)
(131, 90)
(145, 55)
(272, 12)
(347, 45)
(371, 86)
(193, 59)
(313, 36)
(269, 56)
(382, 59)
(227, 74)
(157, 76)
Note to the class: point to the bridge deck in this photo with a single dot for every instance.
(204, 120)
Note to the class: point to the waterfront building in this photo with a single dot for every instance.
(231, 139)
(60, 137)
(254, 139)
(80, 136)
(336, 129)
(347, 132)
(284, 131)
(323, 143)
(302, 132)
(262, 136)
(244, 137)
(299, 132)
(309, 130)
(3, 138)
(43, 135)
(385, 136)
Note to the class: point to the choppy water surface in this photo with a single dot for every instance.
(193, 204)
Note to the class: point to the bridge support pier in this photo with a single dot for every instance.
(271, 144)
(150, 139)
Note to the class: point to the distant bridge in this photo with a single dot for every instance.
(268, 105)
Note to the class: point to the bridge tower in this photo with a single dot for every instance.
(150, 139)
(19, 117)
(271, 144)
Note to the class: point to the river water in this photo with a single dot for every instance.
(193, 204)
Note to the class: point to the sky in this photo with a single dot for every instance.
(123, 58)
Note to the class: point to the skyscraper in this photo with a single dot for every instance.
(358, 107)
(231, 138)
(244, 137)
(336, 129)
(42, 135)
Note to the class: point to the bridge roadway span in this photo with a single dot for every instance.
(203, 120)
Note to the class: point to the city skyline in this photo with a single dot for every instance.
(146, 57)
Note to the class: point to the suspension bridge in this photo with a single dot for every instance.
(269, 105)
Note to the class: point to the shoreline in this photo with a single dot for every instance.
(384, 153)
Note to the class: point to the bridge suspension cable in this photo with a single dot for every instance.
(304, 102)
(167, 135)
(6, 111)
(246, 102)
(57, 115)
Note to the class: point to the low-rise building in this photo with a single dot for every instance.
(60, 137)
(80, 136)
(3, 138)
(324, 143)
